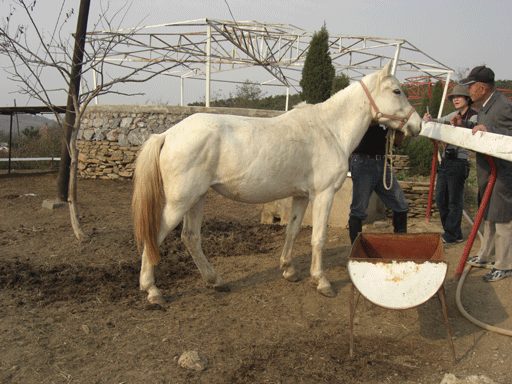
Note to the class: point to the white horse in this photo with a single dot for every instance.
(303, 153)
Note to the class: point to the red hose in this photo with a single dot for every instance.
(479, 217)
(432, 181)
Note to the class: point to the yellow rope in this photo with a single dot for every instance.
(390, 140)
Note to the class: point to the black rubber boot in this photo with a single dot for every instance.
(355, 226)
(400, 222)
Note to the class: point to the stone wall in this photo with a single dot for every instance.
(400, 163)
(106, 160)
(111, 135)
(417, 194)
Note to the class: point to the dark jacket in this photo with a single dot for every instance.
(374, 141)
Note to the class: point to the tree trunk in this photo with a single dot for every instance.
(72, 198)
(64, 179)
(65, 161)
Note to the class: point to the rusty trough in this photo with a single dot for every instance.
(398, 271)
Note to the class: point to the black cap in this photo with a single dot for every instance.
(480, 74)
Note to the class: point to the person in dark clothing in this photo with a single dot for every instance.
(367, 173)
(453, 170)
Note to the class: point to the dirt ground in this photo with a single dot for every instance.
(73, 313)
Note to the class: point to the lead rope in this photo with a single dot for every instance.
(390, 139)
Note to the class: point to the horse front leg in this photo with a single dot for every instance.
(299, 205)
(321, 208)
(191, 236)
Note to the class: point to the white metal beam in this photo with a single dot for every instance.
(207, 46)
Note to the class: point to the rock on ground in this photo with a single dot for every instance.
(193, 360)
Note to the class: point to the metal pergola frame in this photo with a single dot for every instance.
(203, 47)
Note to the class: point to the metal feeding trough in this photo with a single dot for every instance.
(398, 271)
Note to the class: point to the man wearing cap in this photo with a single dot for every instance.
(495, 116)
(453, 170)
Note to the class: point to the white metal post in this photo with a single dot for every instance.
(208, 63)
(445, 91)
(181, 90)
(397, 56)
(287, 98)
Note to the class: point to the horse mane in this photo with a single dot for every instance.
(305, 104)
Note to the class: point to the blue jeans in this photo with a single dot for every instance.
(451, 177)
(367, 177)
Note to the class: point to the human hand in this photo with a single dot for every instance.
(479, 128)
(427, 116)
(456, 120)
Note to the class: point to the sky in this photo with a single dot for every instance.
(460, 34)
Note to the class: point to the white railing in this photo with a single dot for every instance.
(30, 159)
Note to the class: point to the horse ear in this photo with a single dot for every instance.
(388, 68)
(386, 71)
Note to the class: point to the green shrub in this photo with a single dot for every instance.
(339, 82)
(471, 190)
(401, 176)
(420, 151)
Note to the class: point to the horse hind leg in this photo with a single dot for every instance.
(170, 219)
(299, 205)
(191, 236)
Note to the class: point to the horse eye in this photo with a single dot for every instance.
(396, 91)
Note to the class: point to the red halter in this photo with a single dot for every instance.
(379, 114)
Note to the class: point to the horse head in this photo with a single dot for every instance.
(389, 103)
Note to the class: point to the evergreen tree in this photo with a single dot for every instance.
(318, 71)
(436, 98)
(425, 105)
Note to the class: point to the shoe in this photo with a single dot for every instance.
(447, 242)
(475, 261)
(497, 274)
(459, 240)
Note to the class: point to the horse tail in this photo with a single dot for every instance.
(148, 197)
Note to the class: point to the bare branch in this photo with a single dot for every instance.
(32, 65)
(54, 54)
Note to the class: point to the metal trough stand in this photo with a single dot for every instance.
(398, 271)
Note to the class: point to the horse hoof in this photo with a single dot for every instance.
(156, 299)
(293, 277)
(327, 292)
(222, 288)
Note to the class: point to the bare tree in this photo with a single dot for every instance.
(36, 66)
(461, 73)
